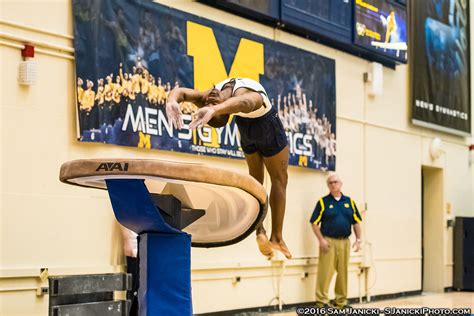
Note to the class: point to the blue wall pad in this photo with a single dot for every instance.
(165, 275)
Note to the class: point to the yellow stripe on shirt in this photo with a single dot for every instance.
(321, 213)
(357, 219)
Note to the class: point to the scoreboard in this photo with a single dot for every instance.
(381, 26)
(266, 11)
(372, 29)
(329, 18)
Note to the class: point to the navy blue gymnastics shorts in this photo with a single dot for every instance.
(264, 134)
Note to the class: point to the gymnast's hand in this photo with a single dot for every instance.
(173, 111)
(202, 117)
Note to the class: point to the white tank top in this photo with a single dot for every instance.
(251, 85)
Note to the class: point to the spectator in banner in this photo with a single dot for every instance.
(86, 105)
(286, 119)
(126, 81)
(318, 130)
(128, 97)
(108, 102)
(122, 38)
(80, 93)
(322, 138)
(151, 42)
(297, 111)
(175, 36)
(304, 114)
(100, 99)
(188, 108)
(311, 125)
(80, 90)
(315, 124)
(152, 92)
(126, 84)
(137, 84)
(288, 112)
(136, 74)
(174, 50)
(323, 141)
(336, 214)
(144, 82)
(146, 35)
(117, 96)
(263, 140)
(161, 92)
(132, 96)
(332, 150)
(118, 83)
(298, 90)
(327, 136)
(124, 101)
(293, 118)
(139, 64)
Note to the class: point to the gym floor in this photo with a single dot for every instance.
(433, 300)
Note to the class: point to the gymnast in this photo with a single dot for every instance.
(262, 138)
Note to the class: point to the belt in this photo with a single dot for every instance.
(338, 237)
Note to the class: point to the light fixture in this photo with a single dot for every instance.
(436, 148)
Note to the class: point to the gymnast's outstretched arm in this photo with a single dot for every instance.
(185, 94)
(244, 102)
(178, 95)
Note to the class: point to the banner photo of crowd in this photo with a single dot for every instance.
(130, 54)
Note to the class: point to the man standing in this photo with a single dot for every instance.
(336, 213)
(262, 137)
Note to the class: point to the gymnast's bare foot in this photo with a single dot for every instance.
(264, 245)
(279, 244)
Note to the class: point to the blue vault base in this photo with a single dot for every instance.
(165, 274)
(164, 252)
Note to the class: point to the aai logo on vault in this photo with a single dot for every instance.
(113, 166)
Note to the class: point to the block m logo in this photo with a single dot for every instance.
(209, 67)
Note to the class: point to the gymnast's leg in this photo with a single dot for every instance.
(256, 170)
(277, 167)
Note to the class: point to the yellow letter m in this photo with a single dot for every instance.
(209, 67)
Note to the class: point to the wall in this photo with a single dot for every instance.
(45, 224)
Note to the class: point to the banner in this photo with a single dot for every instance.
(440, 65)
(381, 26)
(130, 54)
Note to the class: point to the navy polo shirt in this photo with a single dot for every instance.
(336, 217)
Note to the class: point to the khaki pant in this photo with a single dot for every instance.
(335, 260)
